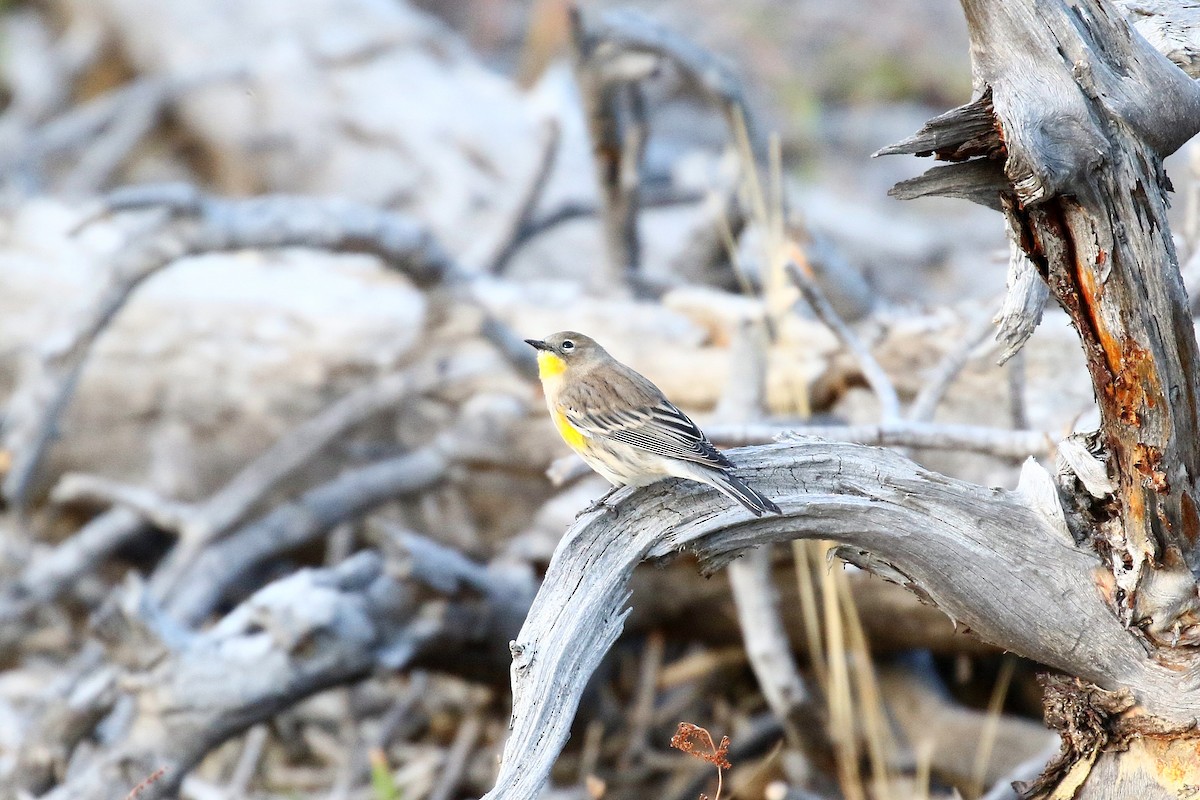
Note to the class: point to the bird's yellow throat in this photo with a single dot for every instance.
(550, 365)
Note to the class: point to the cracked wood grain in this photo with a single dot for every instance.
(1084, 111)
(984, 556)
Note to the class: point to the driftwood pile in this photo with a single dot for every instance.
(278, 491)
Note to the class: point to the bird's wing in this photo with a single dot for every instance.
(630, 409)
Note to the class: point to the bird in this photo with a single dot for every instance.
(625, 428)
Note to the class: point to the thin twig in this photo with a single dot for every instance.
(513, 237)
(947, 371)
(999, 442)
(401, 711)
(876, 376)
(972, 438)
(643, 707)
(456, 761)
(247, 763)
(162, 512)
(578, 209)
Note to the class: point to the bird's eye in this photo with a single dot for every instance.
(567, 345)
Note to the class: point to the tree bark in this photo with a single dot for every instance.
(999, 562)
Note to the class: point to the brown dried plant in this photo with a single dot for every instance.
(692, 738)
(145, 784)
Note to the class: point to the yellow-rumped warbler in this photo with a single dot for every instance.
(624, 427)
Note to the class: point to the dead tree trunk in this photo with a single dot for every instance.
(1096, 577)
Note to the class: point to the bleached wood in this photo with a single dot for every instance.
(981, 555)
(212, 225)
(295, 637)
(1084, 111)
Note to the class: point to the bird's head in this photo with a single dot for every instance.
(565, 350)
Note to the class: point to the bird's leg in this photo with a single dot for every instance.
(599, 503)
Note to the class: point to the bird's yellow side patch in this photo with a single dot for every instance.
(574, 439)
(550, 365)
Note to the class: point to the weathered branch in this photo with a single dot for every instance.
(224, 564)
(48, 576)
(1081, 140)
(1172, 28)
(999, 442)
(1024, 301)
(983, 556)
(307, 632)
(925, 406)
(212, 226)
(971, 438)
(113, 118)
(881, 384)
(924, 712)
(514, 232)
(199, 524)
(613, 106)
(770, 653)
(614, 52)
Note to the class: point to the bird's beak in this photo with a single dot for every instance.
(539, 344)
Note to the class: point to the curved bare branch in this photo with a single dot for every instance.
(984, 556)
(214, 225)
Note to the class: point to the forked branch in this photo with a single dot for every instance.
(1072, 151)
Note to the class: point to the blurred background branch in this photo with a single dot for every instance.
(275, 494)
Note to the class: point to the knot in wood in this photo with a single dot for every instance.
(1082, 712)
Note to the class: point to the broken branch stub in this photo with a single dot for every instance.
(1085, 110)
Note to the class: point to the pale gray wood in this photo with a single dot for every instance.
(206, 580)
(211, 225)
(1084, 112)
(429, 606)
(981, 555)
(1024, 301)
(614, 52)
(1172, 27)
(877, 377)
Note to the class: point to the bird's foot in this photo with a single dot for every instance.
(598, 505)
(601, 503)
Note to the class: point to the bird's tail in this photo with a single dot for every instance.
(733, 486)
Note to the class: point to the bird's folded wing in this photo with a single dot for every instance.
(661, 429)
